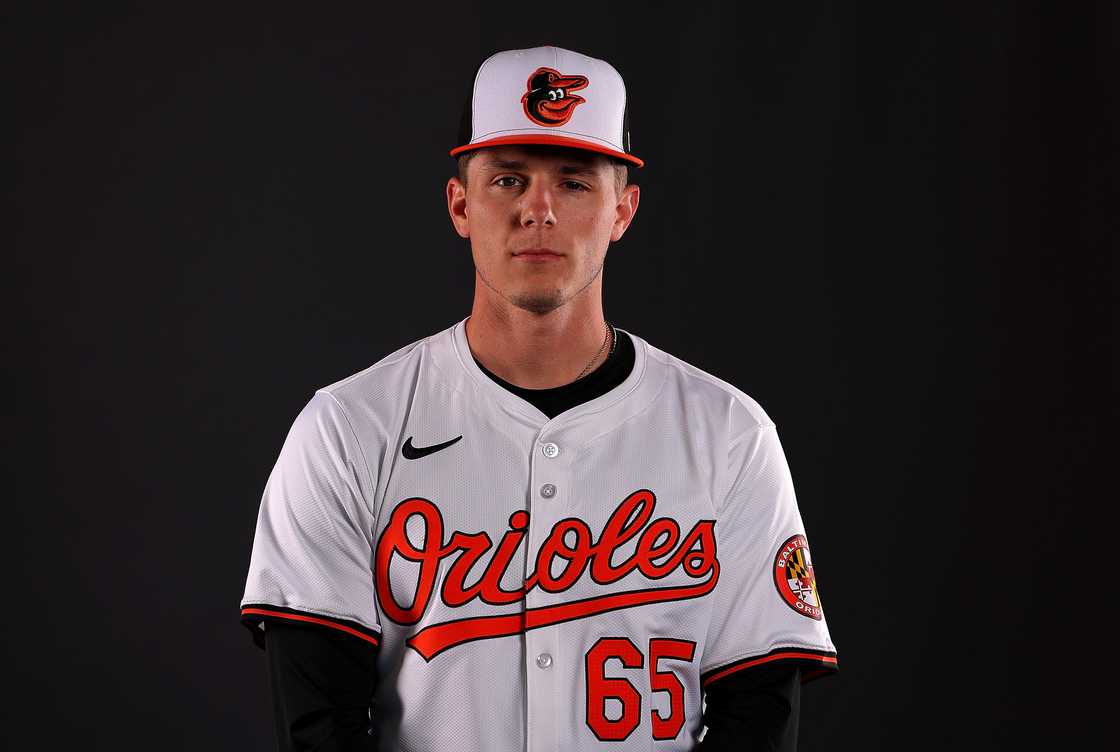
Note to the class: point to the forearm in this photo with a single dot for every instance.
(754, 712)
(322, 685)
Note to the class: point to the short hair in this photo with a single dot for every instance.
(621, 170)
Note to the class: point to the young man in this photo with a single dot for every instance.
(535, 530)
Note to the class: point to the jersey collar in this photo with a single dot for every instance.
(604, 410)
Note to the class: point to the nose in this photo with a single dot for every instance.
(536, 206)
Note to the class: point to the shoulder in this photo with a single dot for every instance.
(365, 403)
(707, 391)
(378, 375)
(383, 384)
(725, 424)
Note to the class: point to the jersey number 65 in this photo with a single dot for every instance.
(601, 688)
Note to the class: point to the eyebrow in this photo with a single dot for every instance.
(567, 169)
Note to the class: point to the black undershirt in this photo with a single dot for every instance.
(610, 373)
(322, 680)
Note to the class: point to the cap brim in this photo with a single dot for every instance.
(572, 143)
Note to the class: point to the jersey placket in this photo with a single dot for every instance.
(548, 491)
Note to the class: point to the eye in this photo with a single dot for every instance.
(575, 185)
(552, 95)
(559, 93)
(513, 181)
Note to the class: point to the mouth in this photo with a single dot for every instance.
(537, 253)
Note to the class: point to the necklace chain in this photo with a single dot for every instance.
(611, 335)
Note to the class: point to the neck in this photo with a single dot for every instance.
(538, 350)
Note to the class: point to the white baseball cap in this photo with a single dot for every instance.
(547, 95)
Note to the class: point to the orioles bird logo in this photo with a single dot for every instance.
(549, 100)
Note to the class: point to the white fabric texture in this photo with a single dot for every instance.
(351, 528)
(311, 551)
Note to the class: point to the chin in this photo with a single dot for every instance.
(538, 302)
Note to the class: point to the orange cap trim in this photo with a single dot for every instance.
(829, 659)
(311, 620)
(529, 138)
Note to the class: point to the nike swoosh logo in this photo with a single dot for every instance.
(415, 453)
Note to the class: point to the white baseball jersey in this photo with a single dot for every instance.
(532, 583)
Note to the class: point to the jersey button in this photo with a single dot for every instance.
(544, 660)
(550, 450)
(548, 490)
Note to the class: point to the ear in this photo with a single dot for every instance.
(457, 207)
(625, 210)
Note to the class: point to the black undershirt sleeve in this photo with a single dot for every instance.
(322, 688)
(753, 711)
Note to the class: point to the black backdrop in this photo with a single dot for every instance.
(888, 225)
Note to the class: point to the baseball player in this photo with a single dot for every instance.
(535, 530)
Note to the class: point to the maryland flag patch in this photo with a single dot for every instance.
(794, 578)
